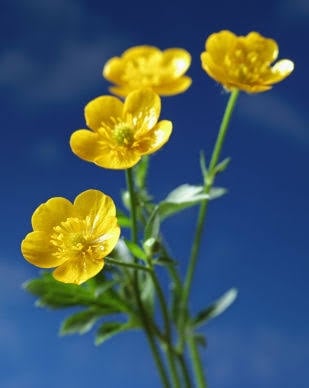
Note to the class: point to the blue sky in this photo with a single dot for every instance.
(51, 57)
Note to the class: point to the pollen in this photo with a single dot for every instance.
(123, 134)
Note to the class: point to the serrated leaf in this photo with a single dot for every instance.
(216, 308)
(136, 250)
(82, 321)
(110, 329)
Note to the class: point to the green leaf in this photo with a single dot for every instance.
(181, 198)
(82, 321)
(123, 220)
(136, 250)
(109, 329)
(217, 192)
(200, 339)
(140, 172)
(54, 294)
(220, 167)
(216, 308)
(152, 228)
(203, 165)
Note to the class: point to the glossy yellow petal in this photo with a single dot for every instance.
(78, 271)
(279, 71)
(144, 107)
(177, 61)
(156, 138)
(38, 250)
(85, 144)
(118, 159)
(94, 204)
(51, 213)
(102, 109)
(244, 62)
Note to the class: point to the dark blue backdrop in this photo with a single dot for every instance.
(52, 54)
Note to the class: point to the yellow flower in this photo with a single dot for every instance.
(121, 132)
(74, 237)
(244, 62)
(147, 66)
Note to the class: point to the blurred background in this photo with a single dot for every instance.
(51, 58)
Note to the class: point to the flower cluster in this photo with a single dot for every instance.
(76, 237)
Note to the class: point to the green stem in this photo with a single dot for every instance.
(196, 362)
(198, 369)
(130, 186)
(185, 371)
(147, 325)
(169, 345)
(109, 260)
(203, 208)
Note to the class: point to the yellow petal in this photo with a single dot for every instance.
(266, 48)
(156, 138)
(144, 107)
(102, 109)
(113, 70)
(111, 237)
(37, 249)
(94, 204)
(140, 51)
(178, 86)
(280, 70)
(51, 213)
(218, 44)
(177, 61)
(118, 159)
(78, 271)
(85, 144)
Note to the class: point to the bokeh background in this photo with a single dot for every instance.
(51, 57)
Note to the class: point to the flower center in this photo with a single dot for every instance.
(74, 239)
(123, 134)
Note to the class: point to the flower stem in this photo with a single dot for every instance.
(169, 346)
(197, 366)
(110, 260)
(146, 322)
(203, 208)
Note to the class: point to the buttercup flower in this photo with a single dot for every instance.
(74, 237)
(147, 66)
(244, 62)
(121, 132)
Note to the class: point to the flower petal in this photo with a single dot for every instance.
(178, 86)
(102, 109)
(78, 271)
(118, 159)
(37, 249)
(219, 43)
(279, 71)
(85, 144)
(51, 213)
(144, 106)
(95, 204)
(156, 138)
(177, 61)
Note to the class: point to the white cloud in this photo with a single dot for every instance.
(273, 112)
